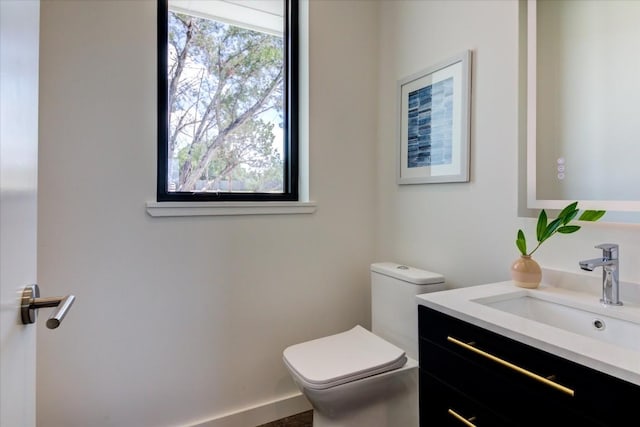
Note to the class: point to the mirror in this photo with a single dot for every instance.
(583, 92)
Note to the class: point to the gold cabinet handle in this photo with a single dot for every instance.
(462, 419)
(503, 362)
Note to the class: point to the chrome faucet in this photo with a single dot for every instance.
(609, 264)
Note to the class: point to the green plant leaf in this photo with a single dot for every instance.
(568, 210)
(521, 243)
(542, 224)
(551, 228)
(569, 216)
(591, 215)
(568, 229)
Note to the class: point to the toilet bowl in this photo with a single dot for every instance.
(358, 377)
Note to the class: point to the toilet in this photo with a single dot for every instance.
(368, 378)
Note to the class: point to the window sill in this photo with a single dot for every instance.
(160, 209)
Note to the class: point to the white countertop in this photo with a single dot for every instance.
(612, 359)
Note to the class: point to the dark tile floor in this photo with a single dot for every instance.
(304, 419)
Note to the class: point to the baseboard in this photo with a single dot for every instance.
(259, 414)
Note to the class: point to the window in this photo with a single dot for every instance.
(227, 100)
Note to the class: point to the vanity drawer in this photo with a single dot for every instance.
(486, 347)
(496, 369)
(509, 396)
(448, 407)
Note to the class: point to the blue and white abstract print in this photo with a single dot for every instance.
(430, 125)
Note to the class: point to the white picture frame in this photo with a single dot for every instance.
(434, 117)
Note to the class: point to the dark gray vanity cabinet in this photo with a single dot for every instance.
(474, 377)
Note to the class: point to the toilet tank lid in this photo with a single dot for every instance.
(406, 273)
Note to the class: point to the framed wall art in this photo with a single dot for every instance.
(434, 136)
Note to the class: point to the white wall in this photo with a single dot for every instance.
(180, 320)
(467, 231)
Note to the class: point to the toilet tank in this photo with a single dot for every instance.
(394, 310)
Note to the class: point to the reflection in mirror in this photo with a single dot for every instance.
(583, 136)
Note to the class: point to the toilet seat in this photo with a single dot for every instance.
(341, 358)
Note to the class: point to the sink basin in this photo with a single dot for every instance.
(606, 324)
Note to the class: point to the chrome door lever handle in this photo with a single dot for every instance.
(31, 302)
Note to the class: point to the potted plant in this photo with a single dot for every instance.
(525, 271)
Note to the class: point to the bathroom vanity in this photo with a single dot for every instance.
(487, 360)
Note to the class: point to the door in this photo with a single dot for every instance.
(19, 22)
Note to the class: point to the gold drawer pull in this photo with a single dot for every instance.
(462, 419)
(503, 362)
